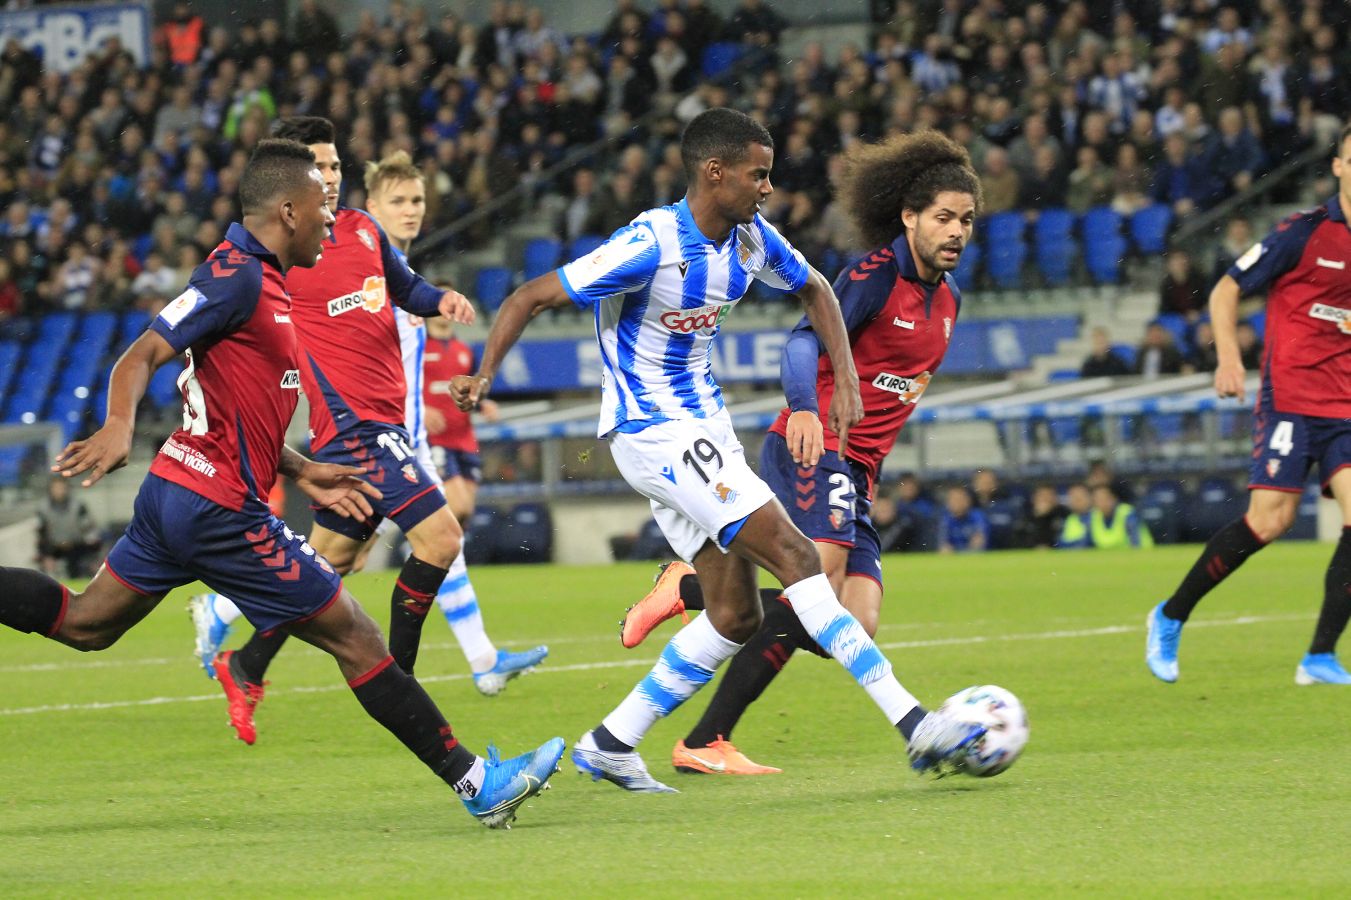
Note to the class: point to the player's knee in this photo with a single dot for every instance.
(1269, 524)
(87, 639)
(737, 624)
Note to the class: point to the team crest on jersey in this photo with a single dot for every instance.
(1273, 466)
(837, 519)
(410, 472)
(371, 298)
(947, 328)
(744, 253)
(290, 380)
(1332, 314)
(910, 389)
(366, 239)
(725, 494)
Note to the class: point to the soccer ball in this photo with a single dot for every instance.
(1005, 721)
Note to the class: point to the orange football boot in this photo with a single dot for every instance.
(718, 758)
(662, 602)
(244, 697)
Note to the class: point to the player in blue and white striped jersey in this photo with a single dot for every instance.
(661, 288)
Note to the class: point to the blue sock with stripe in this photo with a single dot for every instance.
(839, 633)
(459, 604)
(686, 664)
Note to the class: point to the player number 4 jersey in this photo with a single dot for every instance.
(661, 290)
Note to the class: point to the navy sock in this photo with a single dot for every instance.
(1226, 550)
(256, 655)
(608, 742)
(393, 698)
(910, 721)
(414, 591)
(1336, 598)
(33, 602)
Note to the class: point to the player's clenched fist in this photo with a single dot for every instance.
(467, 390)
(456, 307)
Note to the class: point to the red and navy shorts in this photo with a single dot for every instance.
(1287, 445)
(411, 493)
(458, 463)
(177, 536)
(828, 502)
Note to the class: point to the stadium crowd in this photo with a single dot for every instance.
(115, 179)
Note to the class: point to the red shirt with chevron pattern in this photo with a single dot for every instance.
(242, 381)
(899, 331)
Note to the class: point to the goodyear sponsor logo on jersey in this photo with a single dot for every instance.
(685, 321)
(371, 298)
(910, 388)
(1332, 314)
(290, 380)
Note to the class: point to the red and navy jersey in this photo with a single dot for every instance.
(1302, 266)
(242, 382)
(352, 363)
(442, 361)
(899, 329)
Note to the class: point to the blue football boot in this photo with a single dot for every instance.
(1321, 668)
(211, 631)
(507, 783)
(1162, 634)
(508, 666)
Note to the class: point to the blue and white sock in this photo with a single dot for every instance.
(687, 664)
(835, 629)
(223, 607)
(459, 604)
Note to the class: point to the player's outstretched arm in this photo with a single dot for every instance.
(330, 486)
(1224, 322)
(823, 311)
(107, 449)
(526, 302)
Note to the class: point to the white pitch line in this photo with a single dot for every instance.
(645, 661)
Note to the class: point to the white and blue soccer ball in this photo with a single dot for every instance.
(1005, 723)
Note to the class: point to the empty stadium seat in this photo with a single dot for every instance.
(10, 354)
(1004, 263)
(1149, 228)
(492, 286)
(134, 321)
(480, 534)
(527, 535)
(1053, 238)
(1306, 517)
(163, 388)
(967, 267)
(1216, 503)
(1100, 222)
(541, 257)
(720, 57)
(1103, 256)
(1002, 228)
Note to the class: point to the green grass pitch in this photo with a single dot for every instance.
(120, 776)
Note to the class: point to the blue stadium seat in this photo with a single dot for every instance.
(11, 464)
(1103, 256)
(163, 388)
(55, 332)
(651, 543)
(1177, 326)
(528, 536)
(1004, 263)
(1126, 352)
(1002, 228)
(1217, 502)
(720, 57)
(1258, 321)
(10, 354)
(1149, 228)
(541, 257)
(68, 409)
(585, 245)
(134, 321)
(95, 333)
(1065, 429)
(1100, 222)
(492, 286)
(967, 267)
(1306, 517)
(1053, 238)
(480, 534)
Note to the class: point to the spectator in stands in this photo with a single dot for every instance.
(1236, 156)
(1203, 356)
(314, 29)
(963, 528)
(998, 182)
(1090, 184)
(1325, 97)
(182, 35)
(1249, 346)
(1182, 180)
(1274, 89)
(1238, 238)
(1102, 359)
(1183, 292)
(156, 279)
(77, 278)
(67, 532)
(1131, 181)
(1042, 527)
(1158, 354)
(1047, 186)
(1075, 533)
(1114, 524)
(913, 525)
(1024, 148)
(11, 300)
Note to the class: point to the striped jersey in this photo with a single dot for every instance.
(413, 346)
(661, 289)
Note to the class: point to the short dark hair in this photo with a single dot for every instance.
(305, 129)
(903, 172)
(276, 166)
(1341, 139)
(720, 133)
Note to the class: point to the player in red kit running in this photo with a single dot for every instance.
(1302, 418)
(200, 515)
(352, 374)
(915, 198)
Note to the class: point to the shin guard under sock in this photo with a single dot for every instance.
(414, 591)
(256, 655)
(393, 698)
(1226, 550)
(31, 601)
(1336, 598)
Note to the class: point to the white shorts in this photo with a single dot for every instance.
(695, 473)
